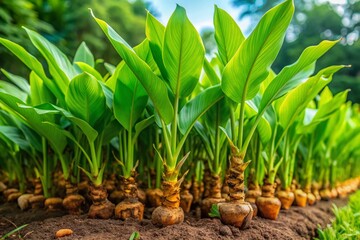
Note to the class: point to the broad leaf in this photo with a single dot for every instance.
(296, 100)
(183, 53)
(197, 106)
(19, 81)
(83, 54)
(251, 63)
(155, 32)
(228, 35)
(59, 65)
(292, 75)
(130, 97)
(35, 121)
(85, 98)
(31, 62)
(153, 85)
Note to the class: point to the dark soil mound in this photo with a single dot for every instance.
(296, 223)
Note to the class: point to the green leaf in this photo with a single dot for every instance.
(84, 67)
(39, 92)
(28, 115)
(13, 90)
(140, 126)
(292, 75)
(155, 32)
(153, 85)
(228, 35)
(19, 81)
(296, 100)
(251, 63)
(135, 236)
(50, 109)
(197, 106)
(59, 65)
(214, 211)
(183, 53)
(130, 97)
(85, 98)
(15, 135)
(31, 62)
(324, 112)
(83, 54)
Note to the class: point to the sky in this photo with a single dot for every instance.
(200, 12)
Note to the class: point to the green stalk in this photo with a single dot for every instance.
(271, 170)
(158, 163)
(217, 167)
(241, 125)
(46, 177)
(308, 164)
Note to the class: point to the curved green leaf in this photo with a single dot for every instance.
(153, 85)
(85, 98)
(292, 75)
(250, 65)
(31, 62)
(28, 115)
(83, 54)
(130, 97)
(228, 35)
(155, 32)
(296, 100)
(183, 53)
(59, 65)
(197, 106)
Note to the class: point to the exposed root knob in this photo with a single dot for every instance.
(237, 214)
(165, 216)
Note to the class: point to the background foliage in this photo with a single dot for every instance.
(67, 23)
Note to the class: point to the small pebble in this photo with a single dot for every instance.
(225, 231)
(63, 232)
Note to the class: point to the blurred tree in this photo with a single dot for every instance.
(314, 21)
(14, 15)
(67, 23)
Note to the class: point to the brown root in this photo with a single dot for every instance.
(37, 201)
(165, 216)
(23, 201)
(325, 194)
(237, 214)
(13, 196)
(73, 201)
(38, 187)
(268, 205)
(236, 211)
(186, 199)
(154, 197)
(311, 199)
(53, 204)
(101, 207)
(214, 197)
(141, 195)
(169, 212)
(252, 194)
(286, 198)
(129, 208)
(9, 191)
(316, 192)
(300, 198)
(334, 193)
(3, 187)
(196, 191)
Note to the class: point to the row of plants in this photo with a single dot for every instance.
(227, 135)
(346, 222)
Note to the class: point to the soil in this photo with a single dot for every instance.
(296, 223)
